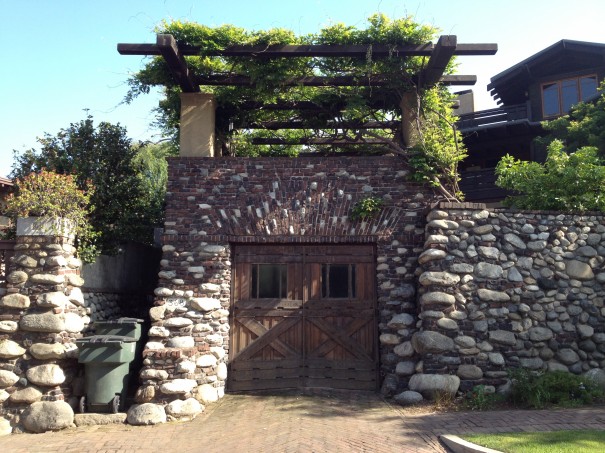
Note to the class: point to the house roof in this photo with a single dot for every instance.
(509, 86)
(5, 182)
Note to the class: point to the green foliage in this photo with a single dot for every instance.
(572, 177)
(479, 399)
(102, 158)
(435, 158)
(565, 182)
(552, 388)
(49, 194)
(366, 208)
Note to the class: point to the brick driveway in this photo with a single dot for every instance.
(323, 422)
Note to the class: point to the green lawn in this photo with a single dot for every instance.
(588, 441)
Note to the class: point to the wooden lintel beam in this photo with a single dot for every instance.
(441, 56)
(333, 50)
(276, 125)
(320, 141)
(176, 63)
(376, 81)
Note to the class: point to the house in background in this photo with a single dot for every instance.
(541, 87)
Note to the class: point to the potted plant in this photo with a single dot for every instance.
(50, 204)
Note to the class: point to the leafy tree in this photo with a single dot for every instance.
(125, 208)
(573, 176)
(339, 111)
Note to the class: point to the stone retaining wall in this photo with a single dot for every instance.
(501, 288)
(42, 314)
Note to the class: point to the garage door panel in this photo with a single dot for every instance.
(321, 333)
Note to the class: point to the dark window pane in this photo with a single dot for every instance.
(569, 94)
(339, 280)
(550, 96)
(324, 280)
(353, 283)
(269, 281)
(588, 87)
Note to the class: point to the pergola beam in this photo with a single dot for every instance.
(178, 66)
(290, 51)
(276, 125)
(321, 141)
(441, 56)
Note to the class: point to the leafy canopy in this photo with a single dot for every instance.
(573, 176)
(128, 180)
(437, 153)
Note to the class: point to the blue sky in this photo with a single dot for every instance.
(59, 59)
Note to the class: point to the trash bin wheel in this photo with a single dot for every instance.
(82, 405)
(115, 404)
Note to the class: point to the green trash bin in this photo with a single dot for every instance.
(127, 327)
(106, 359)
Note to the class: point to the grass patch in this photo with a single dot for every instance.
(581, 441)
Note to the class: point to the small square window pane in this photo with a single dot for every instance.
(339, 280)
(269, 281)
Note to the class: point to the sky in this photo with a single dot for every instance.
(59, 62)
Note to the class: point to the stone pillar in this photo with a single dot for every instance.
(409, 117)
(42, 313)
(185, 359)
(197, 135)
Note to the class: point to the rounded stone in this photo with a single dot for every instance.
(17, 277)
(10, 350)
(597, 375)
(408, 398)
(578, 270)
(75, 280)
(45, 416)
(401, 321)
(144, 394)
(431, 255)
(146, 414)
(470, 372)
(447, 324)
(158, 331)
(431, 342)
(404, 349)
(178, 322)
(488, 295)
(48, 375)
(438, 278)
(496, 358)
(430, 385)
(74, 323)
(8, 378)
(405, 368)
(437, 299)
(207, 360)
(156, 375)
(567, 356)
(178, 386)
(186, 366)
(53, 299)
(48, 279)
(17, 301)
(27, 395)
(186, 409)
(585, 331)
(206, 393)
(181, 342)
(389, 338)
(5, 427)
(489, 271)
(45, 322)
(4, 395)
(221, 371)
(205, 304)
(540, 334)
(8, 326)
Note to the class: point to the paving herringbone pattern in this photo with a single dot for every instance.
(321, 422)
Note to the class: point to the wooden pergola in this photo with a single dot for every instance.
(439, 56)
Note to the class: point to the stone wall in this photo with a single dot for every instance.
(501, 289)
(42, 314)
(215, 203)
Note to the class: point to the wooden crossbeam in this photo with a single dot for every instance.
(275, 125)
(177, 64)
(321, 141)
(333, 50)
(342, 81)
(441, 56)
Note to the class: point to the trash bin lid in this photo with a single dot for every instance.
(106, 339)
(121, 321)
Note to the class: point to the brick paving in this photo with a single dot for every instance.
(318, 422)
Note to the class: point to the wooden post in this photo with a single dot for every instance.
(197, 133)
(409, 112)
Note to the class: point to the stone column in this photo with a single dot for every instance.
(42, 313)
(197, 135)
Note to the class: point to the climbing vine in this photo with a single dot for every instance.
(434, 157)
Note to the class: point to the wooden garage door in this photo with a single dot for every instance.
(303, 316)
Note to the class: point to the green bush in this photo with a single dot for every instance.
(479, 399)
(552, 388)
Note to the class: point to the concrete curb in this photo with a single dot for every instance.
(458, 445)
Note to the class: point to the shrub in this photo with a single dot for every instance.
(479, 399)
(552, 388)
